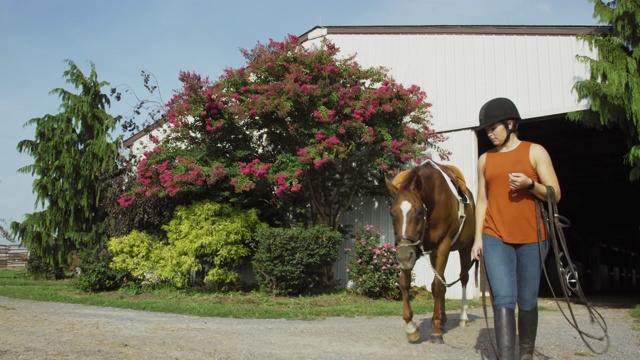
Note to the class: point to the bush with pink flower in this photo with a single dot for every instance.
(373, 267)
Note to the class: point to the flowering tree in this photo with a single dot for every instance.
(302, 129)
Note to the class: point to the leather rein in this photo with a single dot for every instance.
(568, 275)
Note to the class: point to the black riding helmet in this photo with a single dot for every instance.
(499, 109)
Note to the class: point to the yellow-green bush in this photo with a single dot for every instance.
(204, 237)
(135, 253)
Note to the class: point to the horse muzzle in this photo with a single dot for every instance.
(407, 253)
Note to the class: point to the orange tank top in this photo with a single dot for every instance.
(510, 213)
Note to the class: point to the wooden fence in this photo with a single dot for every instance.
(12, 256)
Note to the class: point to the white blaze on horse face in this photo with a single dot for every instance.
(405, 207)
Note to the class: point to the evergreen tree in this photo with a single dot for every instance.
(613, 88)
(74, 159)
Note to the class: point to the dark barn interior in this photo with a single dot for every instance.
(598, 200)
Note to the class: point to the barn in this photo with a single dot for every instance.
(460, 68)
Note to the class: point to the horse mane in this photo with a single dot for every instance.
(408, 175)
(454, 174)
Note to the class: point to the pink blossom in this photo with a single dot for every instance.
(319, 163)
(125, 200)
(212, 128)
(332, 142)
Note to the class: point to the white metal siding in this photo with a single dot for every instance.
(459, 73)
(144, 144)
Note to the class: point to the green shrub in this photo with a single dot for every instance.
(204, 238)
(94, 273)
(209, 238)
(136, 253)
(39, 269)
(293, 261)
(373, 266)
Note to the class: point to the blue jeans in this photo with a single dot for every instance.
(514, 271)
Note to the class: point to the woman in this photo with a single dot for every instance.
(510, 178)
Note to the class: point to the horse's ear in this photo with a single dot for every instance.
(417, 184)
(392, 188)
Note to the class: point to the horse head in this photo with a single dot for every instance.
(409, 217)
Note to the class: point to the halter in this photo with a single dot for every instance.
(414, 241)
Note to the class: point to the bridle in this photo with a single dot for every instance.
(413, 240)
(418, 242)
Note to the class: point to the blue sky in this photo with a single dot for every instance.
(163, 37)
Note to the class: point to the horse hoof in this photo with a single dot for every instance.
(413, 337)
(464, 323)
(436, 339)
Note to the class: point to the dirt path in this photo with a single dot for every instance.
(44, 330)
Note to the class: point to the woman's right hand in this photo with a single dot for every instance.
(476, 250)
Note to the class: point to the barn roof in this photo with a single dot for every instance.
(457, 29)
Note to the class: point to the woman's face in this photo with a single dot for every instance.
(497, 133)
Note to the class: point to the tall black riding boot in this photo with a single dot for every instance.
(504, 322)
(527, 330)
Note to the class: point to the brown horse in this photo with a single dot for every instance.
(432, 214)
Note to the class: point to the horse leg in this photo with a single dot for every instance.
(464, 317)
(465, 262)
(439, 319)
(411, 329)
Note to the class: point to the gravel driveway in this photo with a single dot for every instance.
(47, 330)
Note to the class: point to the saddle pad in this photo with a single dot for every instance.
(450, 182)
